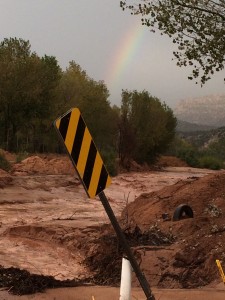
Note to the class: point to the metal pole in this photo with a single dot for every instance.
(140, 276)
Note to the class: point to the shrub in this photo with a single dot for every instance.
(188, 153)
(189, 156)
(109, 159)
(21, 156)
(210, 162)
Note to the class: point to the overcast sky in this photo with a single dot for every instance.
(109, 44)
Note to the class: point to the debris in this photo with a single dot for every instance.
(21, 282)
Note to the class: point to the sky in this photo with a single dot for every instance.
(111, 45)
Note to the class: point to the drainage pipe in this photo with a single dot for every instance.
(125, 285)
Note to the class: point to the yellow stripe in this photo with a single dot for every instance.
(221, 270)
(108, 182)
(95, 176)
(84, 152)
(57, 123)
(72, 128)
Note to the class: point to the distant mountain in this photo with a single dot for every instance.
(209, 110)
(183, 126)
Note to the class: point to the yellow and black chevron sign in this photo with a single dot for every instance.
(83, 152)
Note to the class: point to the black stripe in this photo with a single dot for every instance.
(102, 180)
(63, 126)
(89, 165)
(78, 140)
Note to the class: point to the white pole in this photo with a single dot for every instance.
(125, 285)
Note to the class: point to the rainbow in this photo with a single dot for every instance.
(124, 55)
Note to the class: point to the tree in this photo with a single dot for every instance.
(77, 89)
(147, 127)
(27, 84)
(72, 87)
(196, 26)
(127, 141)
(43, 111)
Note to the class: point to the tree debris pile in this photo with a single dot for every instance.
(105, 258)
(152, 237)
(21, 282)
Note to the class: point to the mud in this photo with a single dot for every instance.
(50, 228)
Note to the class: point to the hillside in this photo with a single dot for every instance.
(209, 110)
(203, 138)
(183, 126)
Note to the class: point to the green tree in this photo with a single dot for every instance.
(77, 89)
(44, 108)
(14, 56)
(72, 87)
(185, 151)
(147, 126)
(196, 26)
(26, 94)
(217, 148)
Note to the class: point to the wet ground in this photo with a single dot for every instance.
(48, 225)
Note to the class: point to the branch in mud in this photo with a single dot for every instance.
(66, 218)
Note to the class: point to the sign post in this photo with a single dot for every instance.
(94, 176)
(140, 276)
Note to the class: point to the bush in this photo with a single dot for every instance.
(4, 163)
(211, 162)
(21, 156)
(185, 151)
(189, 156)
(109, 160)
(209, 158)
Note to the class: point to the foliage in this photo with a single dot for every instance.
(27, 84)
(210, 162)
(21, 156)
(196, 156)
(77, 89)
(146, 126)
(189, 154)
(217, 148)
(34, 91)
(4, 163)
(109, 157)
(196, 26)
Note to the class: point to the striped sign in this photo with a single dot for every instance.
(83, 152)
